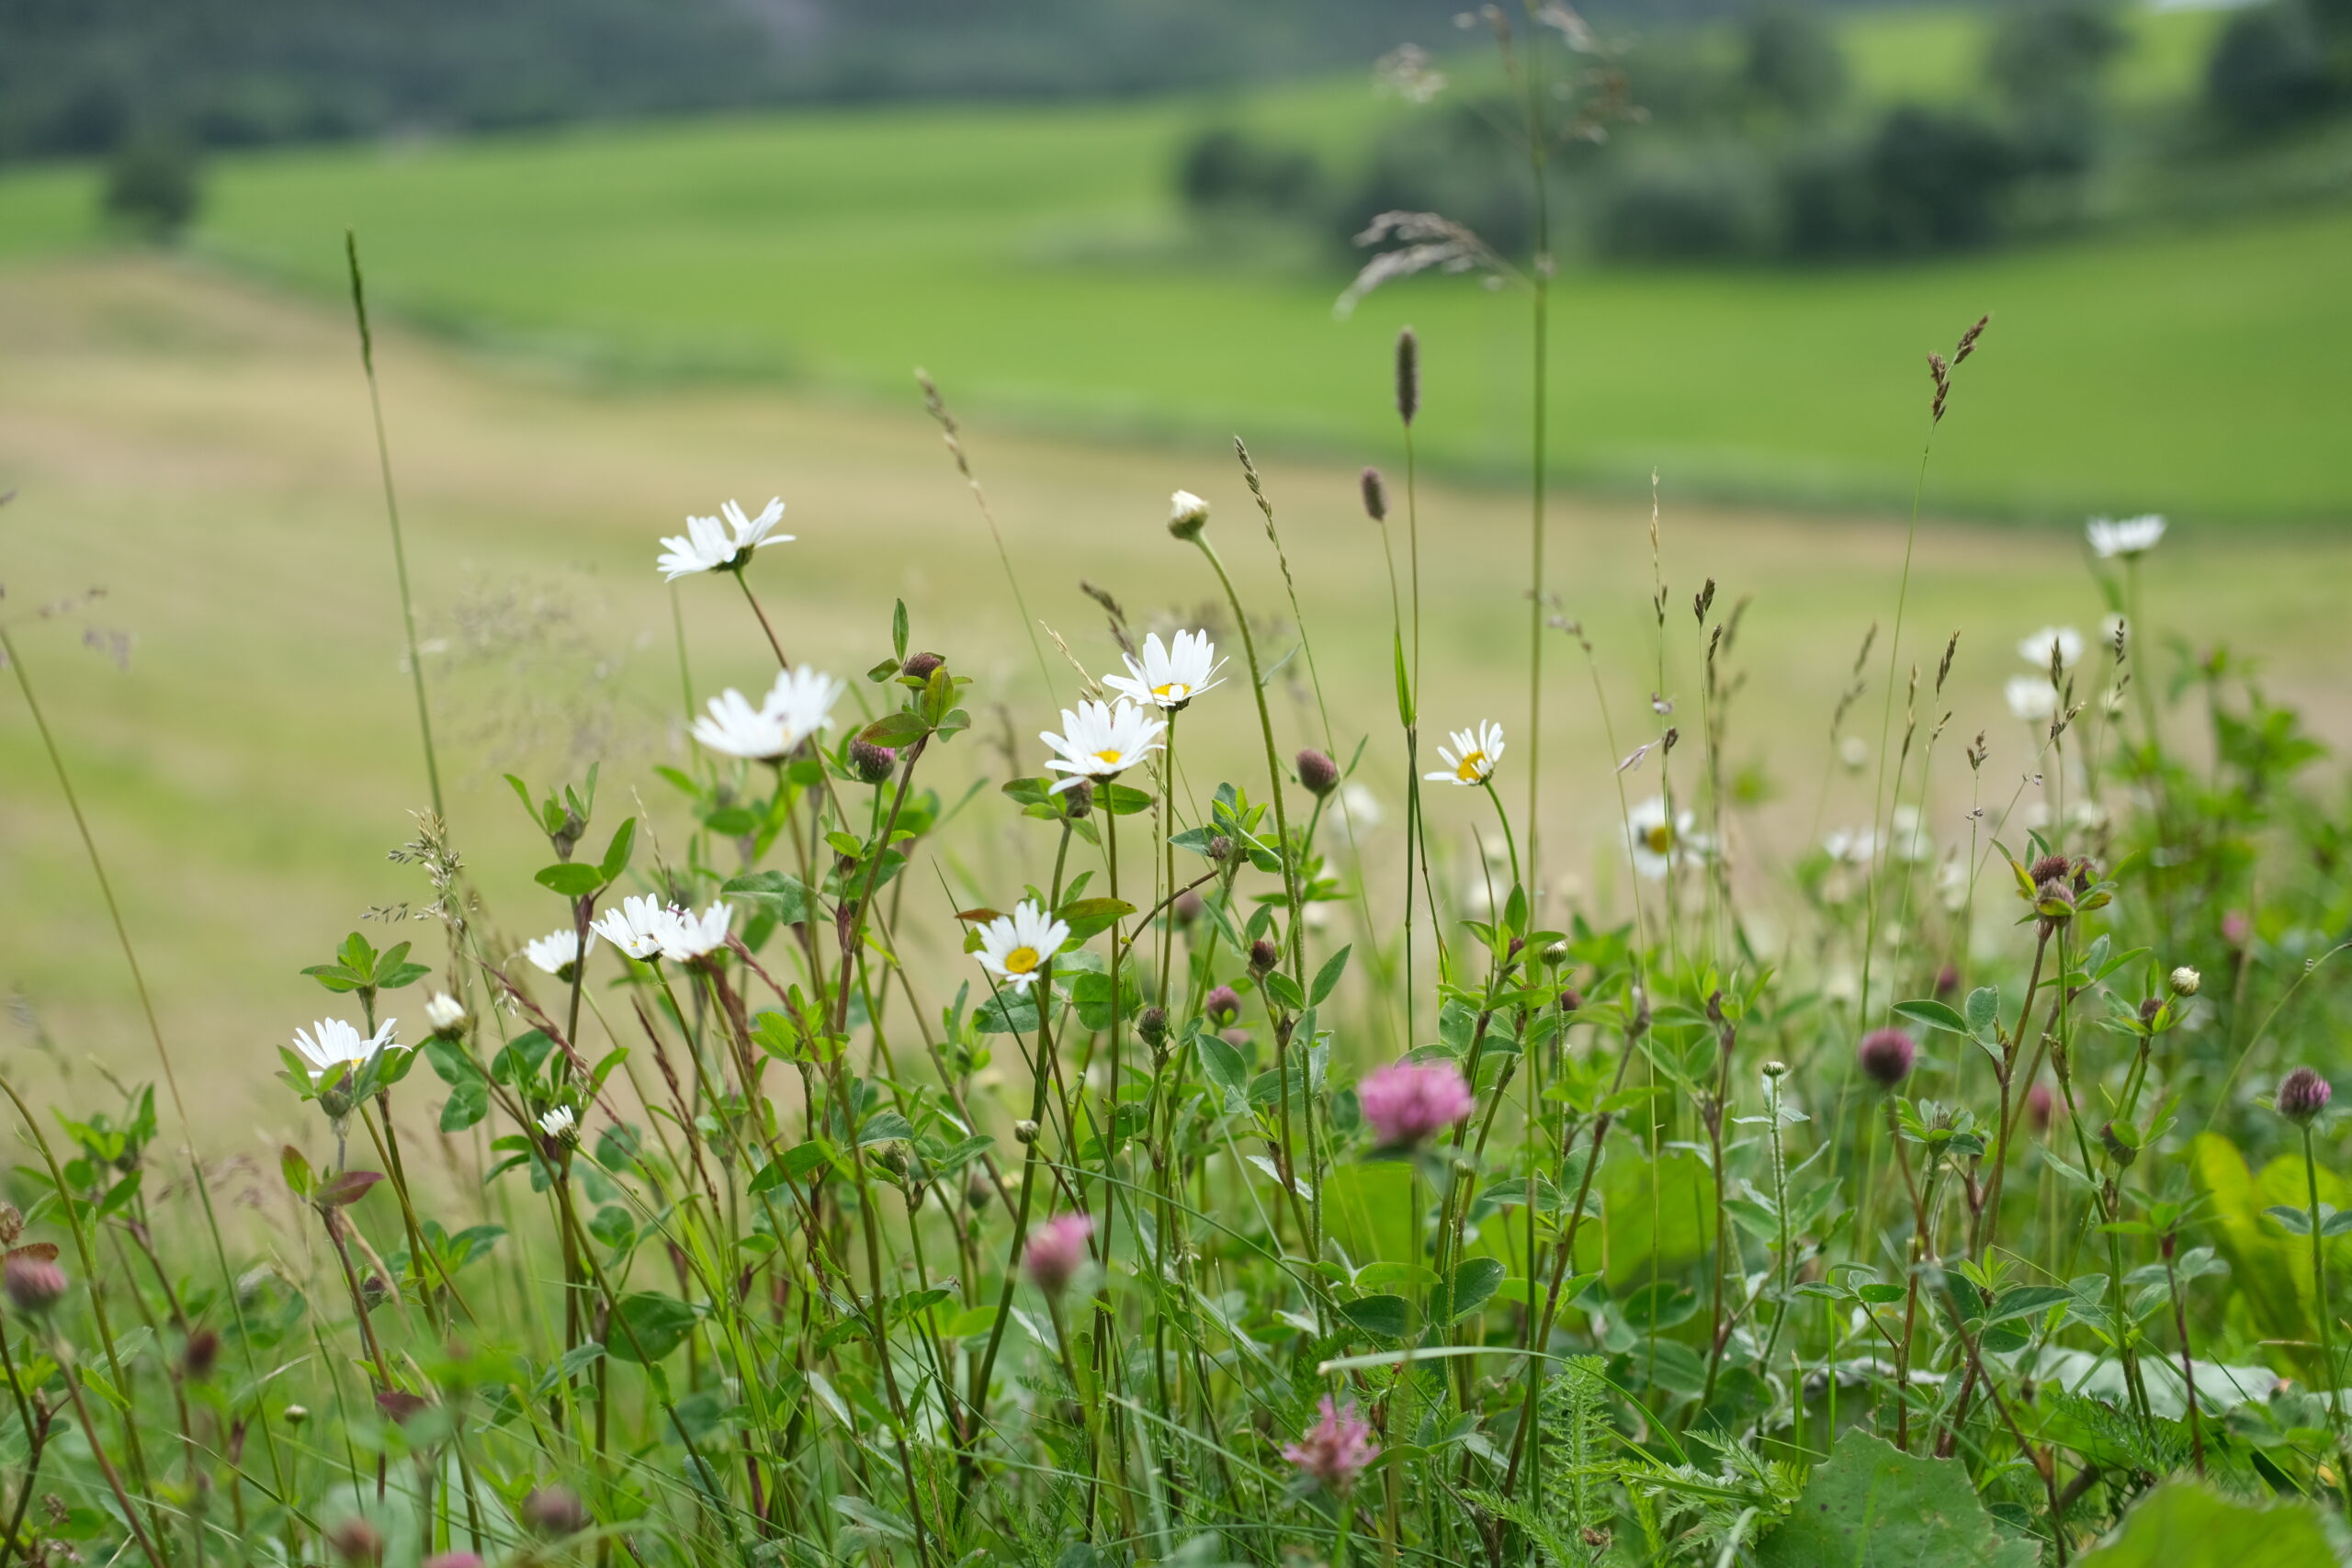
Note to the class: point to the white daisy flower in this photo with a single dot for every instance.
(710, 544)
(1908, 836)
(2067, 640)
(446, 1013)
(1102, 741)
(1356, 810)
(1013, 946)
(802, 701)
(1659, 840)
(560, 1122)
(331, 1043)
(2130, 536)
(1951, 884)
(1169, 677)
(1187, 515)
(734, 727)
(1851, 846)
(686, 936)
(1472, 758)
(641, 927)
(2031, 698)
(556, 952)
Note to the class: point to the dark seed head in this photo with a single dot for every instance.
(920, 665)
(1886, 1054)
(873, 764)
(2303, 1094)
(1317, 773)
(1263, 956)
(2050, 868)
(1152, 1025)
(1409, 375)
(1376, 496)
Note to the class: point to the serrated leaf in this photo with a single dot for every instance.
(1872, 1505)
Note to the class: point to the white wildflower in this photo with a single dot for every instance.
(734, 727)
(1013, 946)
(556, 951)
(2130, 538)
(638, 927)
(2031, 698)
(331, 1043)
(1169, 675)
(802, 702)
(1659, 840)
(446, 1013)
(1102, 741)
(560, 1122)
(1471, 759)
(2067, 642)
(686, 936)
(710, 544)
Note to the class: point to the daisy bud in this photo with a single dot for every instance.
(2303, 1094)
(554, 1511)
(1376, 496)
(2185, 981)
(1187, 906)
(1079, 799)
(1409, 375)
(1317, 772)
(1152, 1025)
(1886, 1054)
(1336, 1449)
(978, 1191)
(1222, 1005)
(1405, 1102)
(356, 1542)
(1776, 1069)
(919, 666)
(1263, 956)
(199, 1355)
(447, 1014)
(1556, 954)
(2040, 1105)
(1057, 1250)
(873, 764)
(1187, 515)
(297, 1413)
(34, 1285)
(1025, 1131)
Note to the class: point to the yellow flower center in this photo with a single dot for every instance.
(1659, 838)
(1020, 961)
(1111, 756)
(1176, 689)
(1472, 767)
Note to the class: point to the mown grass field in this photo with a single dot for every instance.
(200, 449)
(1036, 261)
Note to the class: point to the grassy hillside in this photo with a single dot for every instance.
(1034, 259)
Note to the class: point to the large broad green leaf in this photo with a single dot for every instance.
(2269, 1267)
(1660, 1217)
(1872, 1505)
(1367, 1207)
(2183, 1525)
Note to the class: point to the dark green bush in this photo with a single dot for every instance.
(2267, 72)
(151, 186)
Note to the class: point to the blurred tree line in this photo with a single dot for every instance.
(1755, 144)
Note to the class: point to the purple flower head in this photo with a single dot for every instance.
(2303, 1094)
(1056, 1249)
(1886, 1054)
(1405, 1102)
(1222, 1005)
(1336, 1448)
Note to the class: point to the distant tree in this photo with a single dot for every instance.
(2046, 60)
(151, 186)
(1937, 179)
(2267, 71)
(1792, 62)
(1224, 170)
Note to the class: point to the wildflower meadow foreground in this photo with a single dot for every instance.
(1243, 1179)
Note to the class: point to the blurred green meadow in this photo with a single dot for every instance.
(1039, 261)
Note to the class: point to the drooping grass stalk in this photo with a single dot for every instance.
(392, 514)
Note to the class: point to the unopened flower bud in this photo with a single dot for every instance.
(2303, 1094)
(2185, 981)
(199, 1355)
(356, 1542)
(1263, 956)
(1222, 1005)
(1152, 1025)
(919, 666)
(1187, 906)
(1886, 1056)
(978, 1191)
(1078, 800)
(2120, 1149)
(1187, 515)
(446, 1013)
(297, 1413)
(1571, 999)
(336, 1102)
(1556, 954)
(1317, 775)
(2149, 1008)
(1025, 1131)
(34, 1285)
(2050, 868)
(554, 1511)
(873, 764)
(2040, 1105)
(1220, 849)
(1776, 1069)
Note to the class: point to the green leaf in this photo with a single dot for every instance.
(898, 631)
(1984, 1010)
(2182, 1525)
(617, 853)
(1872, 1505)
(1934, 1015)
(1225, 1069)
(1474, 1284)
(1284, 989)
(782, 898)
(467, 1103)
(2025, 1301)
(2295, 1220)
(1085, 917)
(295, 1167)
(347, 1188)
(901, 728)
(570, 878)
(1386, 1317)
(1328, 977)
(656, 1324)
